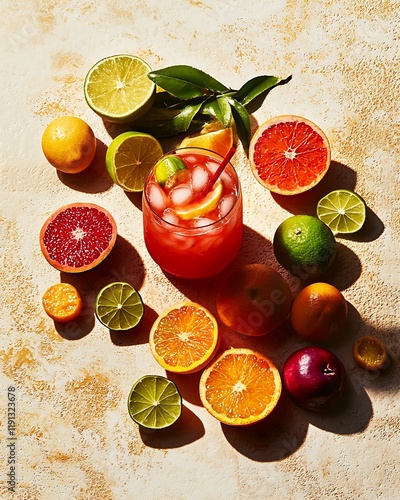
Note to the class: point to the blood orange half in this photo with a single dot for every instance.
(289, 154)
(77, 237)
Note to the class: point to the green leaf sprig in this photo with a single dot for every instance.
(191, 98)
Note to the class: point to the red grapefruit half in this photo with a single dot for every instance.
(77, 237)
(289, 154)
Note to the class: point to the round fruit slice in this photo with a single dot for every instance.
(167, 167)
(343, 211)
(77, 237)
(184, 338)
(118, 89)
(289, 154)
(370, 353)
(62, 302)
(241, 387)
(202, 207)
(154, 402)
(119, 306)
(129, 158)
(212, 137)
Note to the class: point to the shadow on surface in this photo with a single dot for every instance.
(187, 429)
(94, 179)
(339, 176)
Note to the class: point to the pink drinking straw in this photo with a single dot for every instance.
(213, 179)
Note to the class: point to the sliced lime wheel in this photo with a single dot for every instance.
(130, 157)
(119, 306)
(154, 402)
(118, 89)
(167, 167)
(343, 211)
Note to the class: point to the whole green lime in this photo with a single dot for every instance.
(304, 246)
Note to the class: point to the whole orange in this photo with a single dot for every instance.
(69, 144)
(254, 300)
(319, 312)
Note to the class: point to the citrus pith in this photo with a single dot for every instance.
(289, 154)
(241, 387)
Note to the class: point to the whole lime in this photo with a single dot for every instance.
(304, 246)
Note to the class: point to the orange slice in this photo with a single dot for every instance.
(184, 338)
(289, 154)
(241, 387)
(62, 302)
(202, 207)
(370, 353)
(212, 137)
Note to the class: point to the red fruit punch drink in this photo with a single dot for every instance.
(187, 233)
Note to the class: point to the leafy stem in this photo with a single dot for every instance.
(190, 98)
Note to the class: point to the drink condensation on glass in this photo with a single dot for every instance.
(185, 233)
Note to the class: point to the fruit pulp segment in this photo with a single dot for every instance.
(78, 236)
(184, 336)
(205, 244)
(290, 147)
(242, 386)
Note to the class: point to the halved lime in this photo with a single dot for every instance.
(130, 157)
(154, 402)
(167, 167)
(118, 89)
(343, 211)
(119, 306)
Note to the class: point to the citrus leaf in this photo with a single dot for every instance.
(257, 86)
(242, 121)
(186, 82)
(220, 109)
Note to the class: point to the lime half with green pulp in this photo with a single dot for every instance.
(342, 210)
(167, 167)
(119, 306)
(130, 157)
(118, 89)
(154, 402)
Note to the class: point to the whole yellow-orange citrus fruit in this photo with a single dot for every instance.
(69, 144)
(319, 312)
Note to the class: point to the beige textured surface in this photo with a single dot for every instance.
(75, 439)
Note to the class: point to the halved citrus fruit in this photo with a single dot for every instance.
(118, 89)
(154, 402)
(77, 237)
(343, 211)
(184, 338)
(213, 136)
(289, 154)
(370, 353)
(119, 306)
(241, 387)
(62, 302)
(129, 158)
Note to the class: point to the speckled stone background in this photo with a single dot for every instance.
(75, 439)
